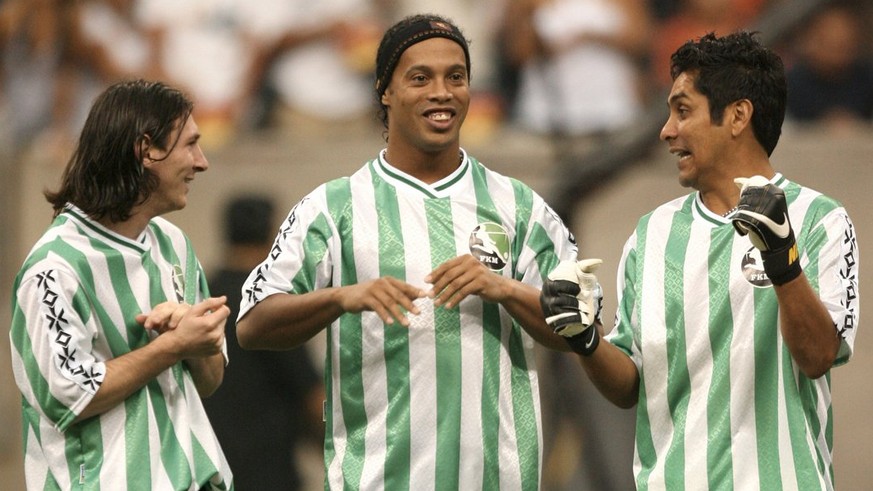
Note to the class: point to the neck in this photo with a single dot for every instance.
(425, 166)
(722, 200)
(130, 228)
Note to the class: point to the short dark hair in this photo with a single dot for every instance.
(735, 67)
(105, 176)
(411, 30)
(248, 219)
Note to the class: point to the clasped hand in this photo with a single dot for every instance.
(197, 330)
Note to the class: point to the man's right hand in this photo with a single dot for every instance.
(198, 330)
(571, 300)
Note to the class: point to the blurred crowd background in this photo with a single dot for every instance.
(284, 100)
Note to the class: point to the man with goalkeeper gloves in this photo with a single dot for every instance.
(734, 301)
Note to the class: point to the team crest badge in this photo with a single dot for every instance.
(179, 283)
(489, 243)
(753, 269)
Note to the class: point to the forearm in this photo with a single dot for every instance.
(129, 373)
(807, 328)
(613, 373)
(523, 304)
(284, 321)
(207, 373)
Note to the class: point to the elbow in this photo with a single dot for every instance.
(626, 402)
(817, 369)
(244, 335)
(819, 362)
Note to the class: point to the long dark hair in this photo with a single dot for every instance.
(105, 176)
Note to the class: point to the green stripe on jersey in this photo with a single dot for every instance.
(447, 331)
(721, 326)
(392, 262)
(351, 378)
(679, 381)
(491, 347)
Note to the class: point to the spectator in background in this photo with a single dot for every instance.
(335, 39)
(269, 401)
(831, 78)
(36, 73)
(690, 19)
(110, 41)
(578, 63)
(210, 47)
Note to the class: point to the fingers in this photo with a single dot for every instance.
(168, 315)
(459, 277)
(395, 301)
(391, 299)
(588, 265)
(211, 303)
(744, 182)
(164, 316)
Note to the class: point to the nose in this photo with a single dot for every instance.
(200, 162)
(440, 91)
(668, 131)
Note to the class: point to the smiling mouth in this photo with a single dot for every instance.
(682, 154)
(439, 115)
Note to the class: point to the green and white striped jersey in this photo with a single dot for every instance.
(76, 298)
(722, 405)
(452, 402)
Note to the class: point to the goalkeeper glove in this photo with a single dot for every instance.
(762, 213)
(572, 300)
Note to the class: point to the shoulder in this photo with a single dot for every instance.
(681, 204)
(814, 204)
(163, 227)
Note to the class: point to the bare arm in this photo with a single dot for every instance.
(807, 328)
(194, 334)
(283, 321)
(613, 373)
(464, 275)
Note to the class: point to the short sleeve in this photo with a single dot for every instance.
(52, 334)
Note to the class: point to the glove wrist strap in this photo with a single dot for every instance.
(585, 342)
(783, 265)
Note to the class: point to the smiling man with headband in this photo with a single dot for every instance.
(424, 266)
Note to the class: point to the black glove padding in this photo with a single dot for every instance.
(763, 214)
(571, 299)
(560, 305)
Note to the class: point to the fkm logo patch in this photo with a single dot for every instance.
(489, 243)
(753, 269)
(179, 283)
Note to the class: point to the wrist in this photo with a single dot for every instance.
(783, 265)
(586, 342)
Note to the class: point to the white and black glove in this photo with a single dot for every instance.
(572, 300)
(763, 214)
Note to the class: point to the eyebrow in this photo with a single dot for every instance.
(674, 97)
(424, 67)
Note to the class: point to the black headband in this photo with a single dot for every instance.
(393, 46)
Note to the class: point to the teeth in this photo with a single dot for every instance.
(439, 116)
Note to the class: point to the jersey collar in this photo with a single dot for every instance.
(95, 229)
(701, 211)
(440, 189)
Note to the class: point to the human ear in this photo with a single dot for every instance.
(740, 115)
(142, 148)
